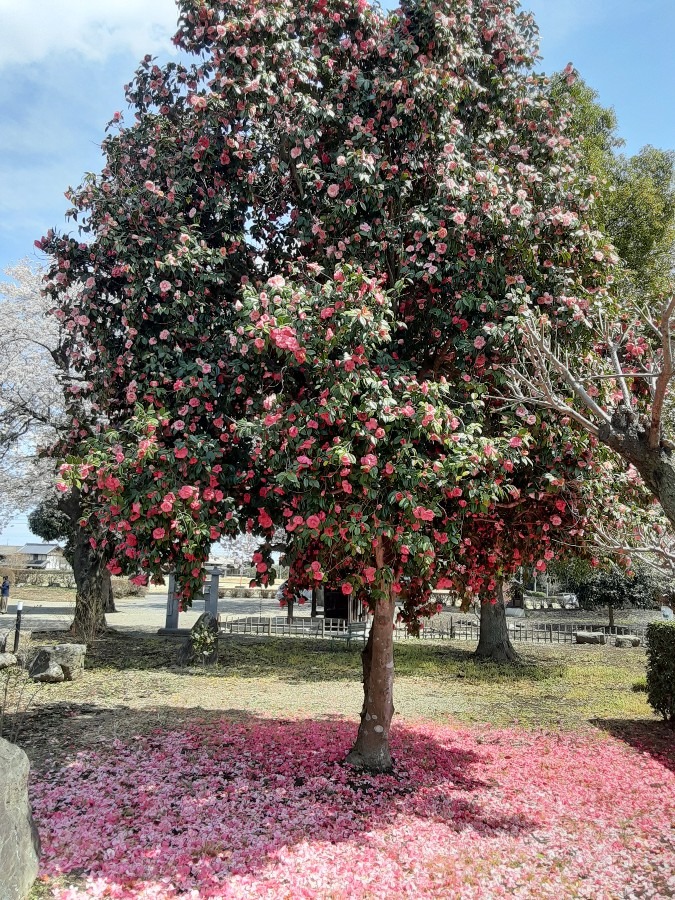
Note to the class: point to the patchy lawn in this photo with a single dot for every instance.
(151, 781)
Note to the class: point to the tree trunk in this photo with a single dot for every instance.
(610, 610)
(313, 612)
(494, 643)
(87, 568)
(108, 597)
(289, 614)
(371, 750)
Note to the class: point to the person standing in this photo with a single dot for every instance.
(4, 594)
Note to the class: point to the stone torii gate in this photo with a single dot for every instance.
(173, 603)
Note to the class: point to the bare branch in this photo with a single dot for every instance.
(664, 376)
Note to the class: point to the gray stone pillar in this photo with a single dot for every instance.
(172, 604)
(211, 601)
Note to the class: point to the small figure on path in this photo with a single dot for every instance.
(4, 594)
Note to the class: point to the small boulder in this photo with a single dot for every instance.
(590, 637)
(7, 660)
(44, 669)
(627, 640)
(19, 840)
(71, 659)
(64, 662)
(201, 646)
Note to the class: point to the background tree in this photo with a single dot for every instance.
(612, 586)
(619, 389)
(39, 406)
(31, 394)
(411, 161)
(52, 521)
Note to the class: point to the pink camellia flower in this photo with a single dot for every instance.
(420, 512)
(368, 462)
(369, 574)
(164, 335)
(165, 286)
(180, 452)
(313, 522)
(516, 442)
(333, 190)
(479, 343)
(556, 520)
(341, 160)
(347, 588)
(158, 533)
(459, 218)
(186, 492)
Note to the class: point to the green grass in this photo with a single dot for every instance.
(561, 686)
(307, 660)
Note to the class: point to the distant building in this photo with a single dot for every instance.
(8, 553)
(42, 556)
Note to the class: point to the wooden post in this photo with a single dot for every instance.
(171, 604)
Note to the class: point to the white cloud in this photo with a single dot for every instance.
(35, 30)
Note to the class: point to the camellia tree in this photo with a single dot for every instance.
(304, 261)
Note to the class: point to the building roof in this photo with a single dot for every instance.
(38, 549)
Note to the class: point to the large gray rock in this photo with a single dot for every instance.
(7, 660)
(627, 640)
(71, 659)
(19, 840)
(590, 637)
(44, 669)
(64, 662)
(201, 647)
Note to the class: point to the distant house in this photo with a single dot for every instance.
(42, 556)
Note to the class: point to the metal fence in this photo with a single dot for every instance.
(449, 629)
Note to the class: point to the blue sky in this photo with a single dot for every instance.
(63, 66)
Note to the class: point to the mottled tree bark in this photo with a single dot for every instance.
(371, 750)
(89, 617)
(494, 643)
(108, 597)
(88, 568)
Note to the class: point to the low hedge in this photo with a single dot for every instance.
(661, 669)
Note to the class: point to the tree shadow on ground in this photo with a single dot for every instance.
(201, 802)
(298, 659)
(652, 737)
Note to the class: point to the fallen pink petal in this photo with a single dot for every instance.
(265, 809)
